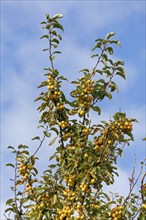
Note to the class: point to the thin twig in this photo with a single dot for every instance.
(50, 49)
(39, 145)
(132, 183)
(98, 61)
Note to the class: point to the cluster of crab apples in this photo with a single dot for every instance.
(85, 96)
(53, 87)
(24, 170)
(117, 212)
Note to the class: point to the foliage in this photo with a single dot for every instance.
(86, 151)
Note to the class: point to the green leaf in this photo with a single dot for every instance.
(53, 156)
(48, 26)
(21, 146)
(96, 108)
(120, 69)
(119, 62)
(53, 141)
(109, 95)
(122, 74)
(57, 16)
(52, 58)
(59, 26)
(10, 165)
(9, 209)
(111, 62)
(106, 196)
(32, 158)
(43, 22)
(130, 135)
(62, 77)
(35, 170)
(110, 50)
(101, 81)
(84, 70)
(25, 152)
(99, 71)
(95, 55)
(134, 120)
(52, 166)
(55, 130)
(44, 83)
(113, 86)
(110, 35)
(10, 147)
(45, 49)
(108, 72)
(53, 32)
(75, 82)
(36, 138)
(105, 57)
(98, 45)
(73, 111)
(47, 134)
(100, 40)
(59, 36)
(9, 201)
(63, 97)
(47, 16)
(45, 36)
(118, 43)
(55, 40)
(56, 52)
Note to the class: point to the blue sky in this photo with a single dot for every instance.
(23, 61)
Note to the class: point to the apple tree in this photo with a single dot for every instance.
(86, 151)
